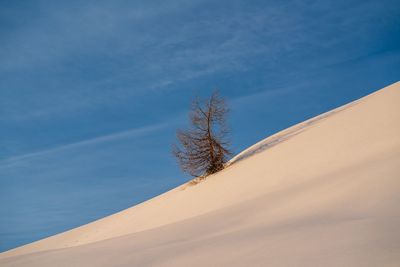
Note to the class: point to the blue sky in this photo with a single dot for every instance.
(91, 92)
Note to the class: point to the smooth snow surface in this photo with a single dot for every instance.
(325, 192)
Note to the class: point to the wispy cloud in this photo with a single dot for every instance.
(128, 49)
(131, 133)
(59, 30)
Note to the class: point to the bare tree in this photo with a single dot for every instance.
(203, 149)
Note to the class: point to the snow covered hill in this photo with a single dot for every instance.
(325, 192)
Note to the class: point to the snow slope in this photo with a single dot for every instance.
(325, 192)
